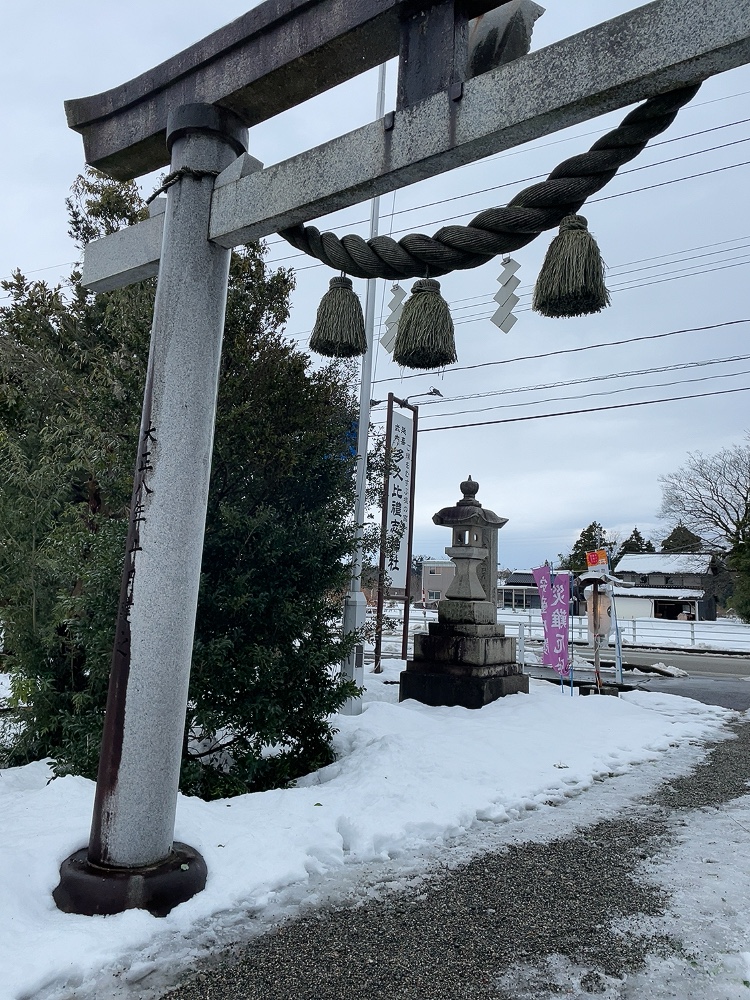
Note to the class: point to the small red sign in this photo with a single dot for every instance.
(596, 558)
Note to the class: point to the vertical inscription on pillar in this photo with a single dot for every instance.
(114, 721)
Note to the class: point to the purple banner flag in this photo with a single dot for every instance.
(554, 597)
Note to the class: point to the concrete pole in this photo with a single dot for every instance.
(355, 605)
(133, 823)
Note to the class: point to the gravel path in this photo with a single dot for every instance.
(492, 928)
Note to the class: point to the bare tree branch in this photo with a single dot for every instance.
(711, 495)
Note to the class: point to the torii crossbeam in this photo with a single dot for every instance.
(193, 112)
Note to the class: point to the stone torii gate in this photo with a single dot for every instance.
(192, 113)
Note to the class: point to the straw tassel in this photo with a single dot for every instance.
(339, 330)
(425, 330)
(571, 281)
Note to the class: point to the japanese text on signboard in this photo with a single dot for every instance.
(554, 598)
(398, 496)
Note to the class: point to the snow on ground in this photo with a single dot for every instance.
(663, 668)
(408, 779)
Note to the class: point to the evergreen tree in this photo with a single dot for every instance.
(278, 535)
(739, 564)
(635, 543)
(591, 538)
(681, 539)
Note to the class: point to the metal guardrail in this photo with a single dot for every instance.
(649, 632)
(721, 635)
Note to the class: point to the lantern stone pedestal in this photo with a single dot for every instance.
(466, 658)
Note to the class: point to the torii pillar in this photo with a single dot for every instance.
(131, 860)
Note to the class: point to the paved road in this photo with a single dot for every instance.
(727, 691)
(695, 662)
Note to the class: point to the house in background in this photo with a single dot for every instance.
(668, 585)
(437, 575)
(516, 590)
(660, 585)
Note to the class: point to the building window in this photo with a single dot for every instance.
(433, 595)
(434, 571)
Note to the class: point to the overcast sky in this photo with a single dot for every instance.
(677, 254)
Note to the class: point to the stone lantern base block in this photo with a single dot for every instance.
(92, 890)
(452, 689)
(453, 612)
(465, 650)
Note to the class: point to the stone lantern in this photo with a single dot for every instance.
(466, 659)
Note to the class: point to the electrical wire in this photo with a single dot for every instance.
(593, 201)
(486, 299)
(612, 272)
(566, 383)
(592, 409)
(690, 135)
(676, 180)
(587, 395)
(495, 157)
(614, 289)
(578, 350)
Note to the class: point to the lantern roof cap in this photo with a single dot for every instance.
(468, 511)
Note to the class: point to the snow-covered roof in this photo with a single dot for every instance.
(671, 593)
(665, 562)
(525, 577)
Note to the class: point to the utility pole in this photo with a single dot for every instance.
(355, 605)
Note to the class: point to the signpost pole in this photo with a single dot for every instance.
(410, 526)
(597, 637)
(618, 638)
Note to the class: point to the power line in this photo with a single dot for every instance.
(564, 384)
(588, 395)
(593, 201)
(595, 409)
(612, 273)
(621, 173)
(577, 350)
(630, 285)
(676, 180)
(535, 177)
(614, 289)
